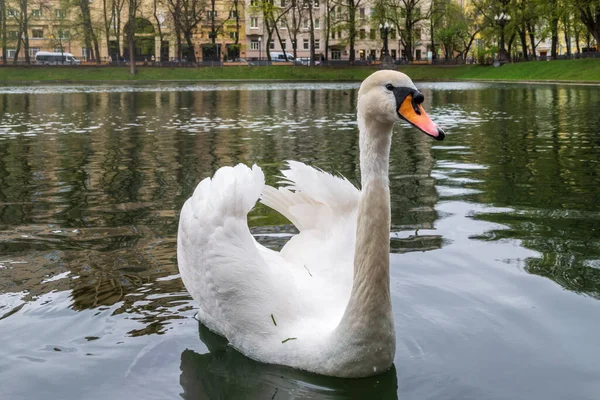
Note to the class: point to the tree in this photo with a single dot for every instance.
(192, 15)
(436, 15)
(292, 20)
(589, 11)
(60, 34)
(89, 36)
(131, 36)
(271, 14)
(406, 16)
(112, 12)
(159, 19)
(4, 38)
(456, 32)
(217, 23)
(22, 19)
(175, 9)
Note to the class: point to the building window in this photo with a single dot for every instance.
(33, 51)
(283, 44)
(317, 23)
(60, 14)
(254, 45)
(272, 45)
(392, 34)
(12, 35)
(305, 24)
(317, 44)
(211, 14)
(232, 14)
(233, 35)
(339, 13)
(282, 3)
(12, 13)
(361, 13)
(253, 22)
(282, 24)
(10, 53)
(305, 44)
(36, 13)
(316, 3)
(362, 34)
(64, 34)
(336, 55)
(372, 33)
(37, 33)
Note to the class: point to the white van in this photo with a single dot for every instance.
(277, 56)
(51, 58)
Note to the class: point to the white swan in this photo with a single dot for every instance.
(323, 303)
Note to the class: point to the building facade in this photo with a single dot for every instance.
(233, 29)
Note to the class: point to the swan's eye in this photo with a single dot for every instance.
(389, 87)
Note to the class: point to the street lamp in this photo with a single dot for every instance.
(502, 19)
(259, 49)
(385, 30)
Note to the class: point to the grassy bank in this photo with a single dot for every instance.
(573, 70)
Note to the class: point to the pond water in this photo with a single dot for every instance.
(495, 271)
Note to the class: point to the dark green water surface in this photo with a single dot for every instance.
(495, 271)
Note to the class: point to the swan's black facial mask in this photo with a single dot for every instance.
(408, 106)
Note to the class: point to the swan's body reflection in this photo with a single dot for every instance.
(224, 373)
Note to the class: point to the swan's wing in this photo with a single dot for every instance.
(311, 198)
(234, 279)
(324, 208)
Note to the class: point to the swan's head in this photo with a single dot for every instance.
(390, 96)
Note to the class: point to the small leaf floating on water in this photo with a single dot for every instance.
(273, 318)
(290, 338)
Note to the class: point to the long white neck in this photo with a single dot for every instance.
(367, 324)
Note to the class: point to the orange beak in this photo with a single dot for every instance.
(416, 115)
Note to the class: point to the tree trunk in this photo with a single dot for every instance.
(327, 30)
(431, 35)
(567, 39)
(84, 5)
(577, 33)
(107, 22)
(352, 29)
(237, 24)
(523, 37)
(24, 30)
(3, 29)
(554, 34)
(312, 33)
(131, 36)
(160, 32)
(531, 31)
(190, 44)
(408, 46)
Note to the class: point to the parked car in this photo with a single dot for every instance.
(277, 56)
(54, 58)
